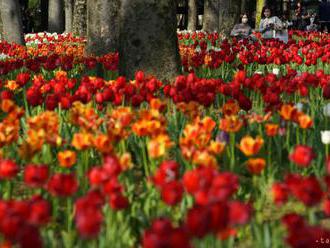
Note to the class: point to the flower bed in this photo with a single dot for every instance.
(233, 152)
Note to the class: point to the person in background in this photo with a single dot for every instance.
(300, 17)
(271, 26)
(243, 29)
(286, 21)
(312, 24)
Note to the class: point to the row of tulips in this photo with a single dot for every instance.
(209, 55)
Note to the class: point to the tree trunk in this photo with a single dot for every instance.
(12, 21)
(148, 39)
(68, 4)
(260, 5)
(109, 24)
(94, 42)
(211, 16)
(56, 16)
(228, 15)
(243, 7)
(44, 14)
(80, 18)
(192, 15)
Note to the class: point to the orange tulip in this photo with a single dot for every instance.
(216, 148)
(250, 146)
(157, 146)
(231, 124)
(287, 111)
(305, 121)
(102, 143)
(82, 141)
(67, 158)
(271, 129)
(256, 165)
(230, 108)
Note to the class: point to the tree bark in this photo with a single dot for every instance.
(94, 43)
(109, 24)
(192, 15)
(243, 6)
(211, 16)
(148, 39)
(68, 4)
(12, 21)
(80, 18)
(56, 16)
(228, 15)
(260, 5)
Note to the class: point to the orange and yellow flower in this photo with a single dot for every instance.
(67, 158)
(256, 165)
(305, 121)
(250, 146)
(271, 129)
(287, 111)
(231, 124)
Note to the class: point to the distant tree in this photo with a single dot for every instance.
(79, 27)
(260, 5)
(56, 16)
(102, 26)
(68, 6)
(148, 39)
(192, 15)
(11, 21)
(211, 15)
(228, 15)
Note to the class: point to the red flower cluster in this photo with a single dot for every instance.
(8, 169)
(88, 214)
(190, 88)
(166, 179)
(302, 234)
(163, 234)
(306, 189)
(63, 185)
(302, 155)
(20, 220)
(105, 178)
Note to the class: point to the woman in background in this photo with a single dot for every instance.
(242, 30)
(271, 26)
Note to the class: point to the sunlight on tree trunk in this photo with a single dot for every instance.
(68, 15)
(56, 16)
(79, 27)
(211, 16)
(192, 15)
(148, 38)
(12, 21)
(260, 5)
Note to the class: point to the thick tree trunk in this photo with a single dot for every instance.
(80, 18)
(94, 42)
(109, 24)
(260, 5)
(56, 16)
(148, 39)
(243, 6)
(68, 4)
(192, 15)
(12, 21)
(228, 15)
(44, 15)
(211, 16)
